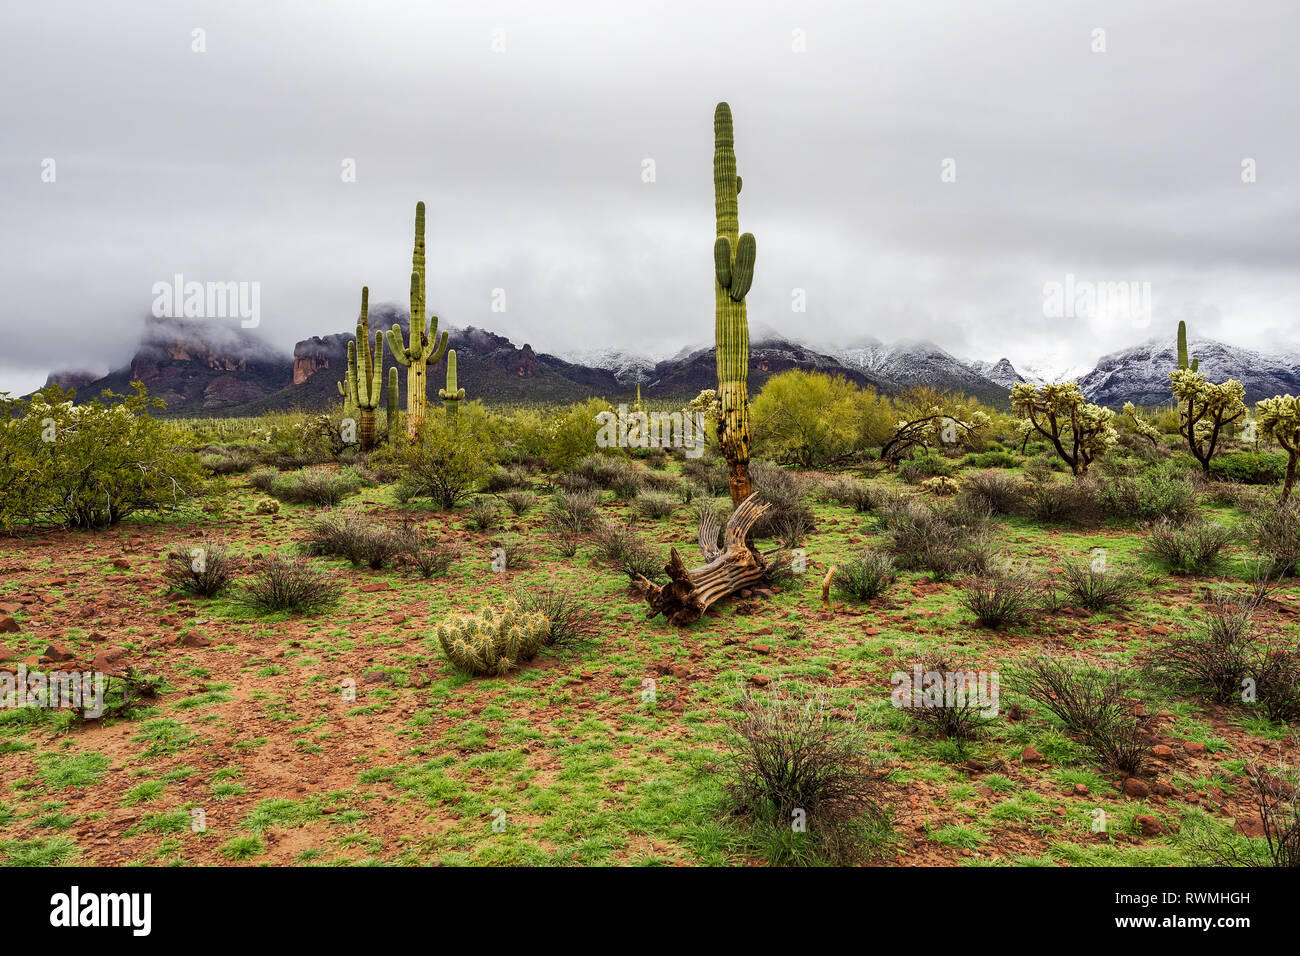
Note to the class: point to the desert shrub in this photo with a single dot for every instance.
(355, 536)
(849, 491)
(1063, 502)
(429, 557)
(663, 481)
(957, 712)
(572, 482)
(941, 485)
(1193, 547)
(990, 459)
(227, 463)
(493, 641)
(1249, 467)
(1097, 589)
(1000, 494)
(656, 504)
(1092, 703)
(864, 577)
(200, 568)
(1159, 493)
(504, 479)
(566, 438)
(1001, 600)
(1274, 797)
(483, 515)
(1275, 532)
(925, 465)
(263, 478)
(1277, 682)
(627, 551)
(577, 511)
(315, 486)
(1215, 657)
(565, 612)
(513, 554)
(281, 583)
(89, 465)
(811, 418)
(708, 472)
(943, 542)
(788, 754)
(789, 516)
(519, 502)
(448, 459)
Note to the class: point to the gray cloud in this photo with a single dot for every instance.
(225, 166)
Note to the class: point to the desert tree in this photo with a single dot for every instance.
(1278, 419)
(1079, 431)
(927, 417)
(1205, 411)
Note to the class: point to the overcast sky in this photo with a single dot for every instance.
(226, 165)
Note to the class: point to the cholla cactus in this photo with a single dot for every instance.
(941, 485)
(1078, 430)
(1140, 425)
(493, 642)
(1205, 411)
(1278, 419)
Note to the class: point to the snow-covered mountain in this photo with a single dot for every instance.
(903, 364)
(1141, 374)
(627, 368)
(1001, 372)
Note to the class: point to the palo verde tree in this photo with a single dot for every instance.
(420, 353)
(733, 273)
(1205, 411)
(1079, 431)
(927, 417)
(1278, 419)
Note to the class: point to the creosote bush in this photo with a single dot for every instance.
(200, 568)
(314, 486)
(1193, 547)
(1002, 599)
(866, 576)
(656, 504)
(282, 583)
(1092, 703)
(566, 614)
(1097, 589)
(788, 756)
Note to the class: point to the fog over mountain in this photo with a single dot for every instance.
(914, 171)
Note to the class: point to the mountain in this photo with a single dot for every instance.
(1001, 372)
(1052, 374)
(902, 364)
(627, 369)
(1141, 374)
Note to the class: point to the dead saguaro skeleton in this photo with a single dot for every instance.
(731, 568)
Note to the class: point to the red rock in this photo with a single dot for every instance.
(8, 625)
(398, 618)
(10, 608)
(1030, 755)
(371, 586)
(195, 639)
(760, 648)
(1195, 747)
(1080, 790)
(1163, 751)
(7, 653)
(107, 658)
(1135, 788)
(1149, 826)
(759, 680)
(57, 652)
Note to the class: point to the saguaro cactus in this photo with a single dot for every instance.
(1182, 349)
(733, 272)
(365, 374)
(451, 395)
(349, 410)
(393, 392)
(420, 353)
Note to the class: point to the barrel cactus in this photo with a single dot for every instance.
(733, 273)
(493, 641)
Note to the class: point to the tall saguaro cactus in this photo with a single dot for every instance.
(365, 375)
(451, 395)
(393, 392)
(421, 352)
(733, 273)
(1182, 349)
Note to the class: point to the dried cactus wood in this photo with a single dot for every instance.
(734, 566)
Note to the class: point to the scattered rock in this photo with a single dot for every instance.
(1195, 747)
(8, 625)
(1163, 751)
(1031, 755)
(1149, 826)
(371, 586)
(759, 680)
(58, 653)
(1135, 788)
(1080, 790)
(195, 639)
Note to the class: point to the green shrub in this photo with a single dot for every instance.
(1193, 547)
(282, 583)
(90, 465)
(448, 459)
(1148, 496)
(990, 459)
(1249, 467)
(200, 568)
(864, 577)
(315, 486)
